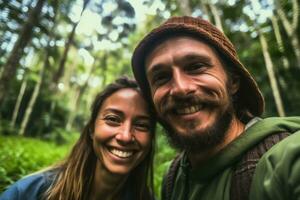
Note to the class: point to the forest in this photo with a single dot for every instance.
(55, 56)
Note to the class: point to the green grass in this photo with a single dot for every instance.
(21, 156)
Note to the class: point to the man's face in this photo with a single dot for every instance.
(190, 91)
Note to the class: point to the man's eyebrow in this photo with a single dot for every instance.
(195, 56)
(155, 68)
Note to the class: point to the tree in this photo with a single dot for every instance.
(184, 7)
(291, 27)
(278, 37)
(18, 102)
(78, 95)
(216, 15)
(39, 82)
(10, 67)
(269, 65)
(32, 101)
(271, 73)
(61, 67)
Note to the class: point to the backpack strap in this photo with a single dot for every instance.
(169, 178)
(245, 168)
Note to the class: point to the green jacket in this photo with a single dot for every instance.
(277, 175)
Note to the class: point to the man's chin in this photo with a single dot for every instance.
(187, 131)
(194, 141)
(197, 139)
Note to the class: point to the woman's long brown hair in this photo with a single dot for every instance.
(75, 174)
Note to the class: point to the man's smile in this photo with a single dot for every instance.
(188, 109)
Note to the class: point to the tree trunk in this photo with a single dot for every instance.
(10, 67)
(18, 103)
(291, 27)
(61, 67)
(205, 11)
(216, 16)
(296, 46)
(271, 74)
(32, 101)
(38, 85)
(278, 37)
(77, 99)
(184, 7)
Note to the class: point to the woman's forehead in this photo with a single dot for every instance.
(126, 100)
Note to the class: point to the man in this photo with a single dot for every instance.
(210, 106)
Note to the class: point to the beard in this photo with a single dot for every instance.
(193, 141)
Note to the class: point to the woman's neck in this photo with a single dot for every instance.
(106, 185)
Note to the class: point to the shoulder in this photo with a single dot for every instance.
(30, 187)
(291, 124)
(277, 173)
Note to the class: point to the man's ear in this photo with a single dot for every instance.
(234, 84)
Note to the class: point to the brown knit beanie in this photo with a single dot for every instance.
(249, 99)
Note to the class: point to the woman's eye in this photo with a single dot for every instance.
(141, 126)
(112, 120)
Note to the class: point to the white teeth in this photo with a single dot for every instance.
(122, 154)
(189, 110)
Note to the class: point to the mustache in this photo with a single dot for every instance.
(172, 102)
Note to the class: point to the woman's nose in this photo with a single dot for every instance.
(125, 134)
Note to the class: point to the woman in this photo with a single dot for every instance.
(111, 160)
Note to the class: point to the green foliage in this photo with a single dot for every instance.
(21, 156)
(6, 128)
(61, 136)
(163, 157)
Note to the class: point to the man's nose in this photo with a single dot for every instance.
(182, 84)
(125, 134)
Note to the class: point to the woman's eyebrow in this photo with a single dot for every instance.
(113, 110)
(144, 117)
(120, 113)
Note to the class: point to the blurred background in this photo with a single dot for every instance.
(55, 56)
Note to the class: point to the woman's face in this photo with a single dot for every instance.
(122, 135)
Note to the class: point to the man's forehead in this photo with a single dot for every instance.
(190, 49)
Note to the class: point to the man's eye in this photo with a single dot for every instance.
(160, 79)
(195, 67)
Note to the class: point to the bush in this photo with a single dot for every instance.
(6, 128)
(21, 156)
(61, 136)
